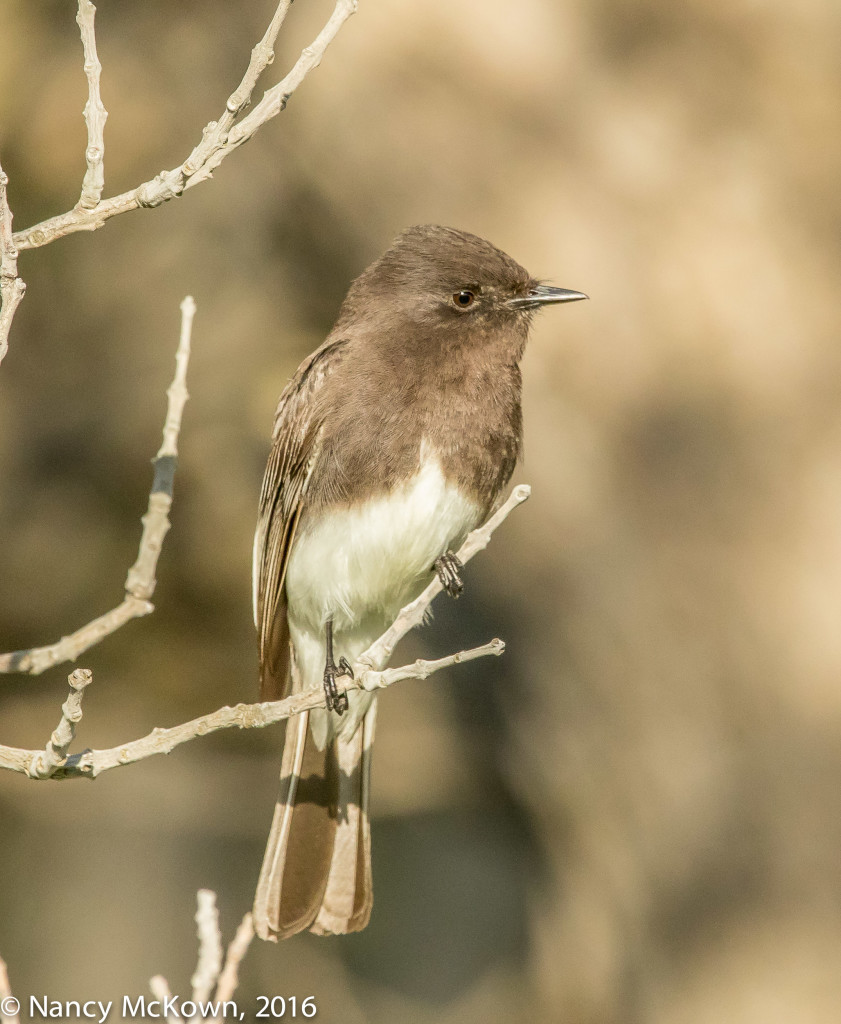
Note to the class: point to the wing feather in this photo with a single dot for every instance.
(294, 454)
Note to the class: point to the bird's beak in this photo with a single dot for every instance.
(543, 295)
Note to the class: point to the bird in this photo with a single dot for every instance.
(391, 442)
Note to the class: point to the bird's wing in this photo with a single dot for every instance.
(295, 449)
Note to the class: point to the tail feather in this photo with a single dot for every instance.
(316, 871)
(349, 896)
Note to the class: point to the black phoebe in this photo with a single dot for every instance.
(391, 443)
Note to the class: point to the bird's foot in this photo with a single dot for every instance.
(336, 701)
(448, 567)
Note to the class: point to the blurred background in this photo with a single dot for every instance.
(634, 816)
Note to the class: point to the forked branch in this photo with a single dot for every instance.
(213, 984)
(369, 674)
(219, 138)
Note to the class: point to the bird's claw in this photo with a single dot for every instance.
(448, 567)
(334, 700)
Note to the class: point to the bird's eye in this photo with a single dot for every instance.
(464, 299)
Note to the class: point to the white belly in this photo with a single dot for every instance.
(367, 561)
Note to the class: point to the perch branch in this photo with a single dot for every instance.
(140, 581)
(242, 716)
(91, 763)
(412, 615)
(95, 113)
(11, 286)
(219, 138)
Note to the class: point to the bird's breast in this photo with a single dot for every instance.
(369, 558)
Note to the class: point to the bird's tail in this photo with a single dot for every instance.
(316, 871)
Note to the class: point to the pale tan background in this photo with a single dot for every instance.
(635, 816)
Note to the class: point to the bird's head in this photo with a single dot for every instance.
(450, 285)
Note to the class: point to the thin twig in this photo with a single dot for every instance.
(177, 391)
(9, 1006)
(95, 113)
(229, 978)
(275, 99)
(209, 966)
(421, 669)
(261, 56)
(140, 581)
(209, 962)
(216, 144)
(11, 286)
(54, 756)
(256, 716)
(160, 989)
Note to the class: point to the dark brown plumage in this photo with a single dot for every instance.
(390, 443)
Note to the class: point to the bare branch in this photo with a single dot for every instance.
(421, 669)
(256, 716)
(9, 1006)
(219, 139)
(210, 947)
(160, 989)
(229, 978)
(412, 615)
(209, 967)
(48, 762)
(177, 391)
(261, 56)
(140, 581)
(11, 286)
(38, 659)
(275, 99)
(95, 113)
(242, 716)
